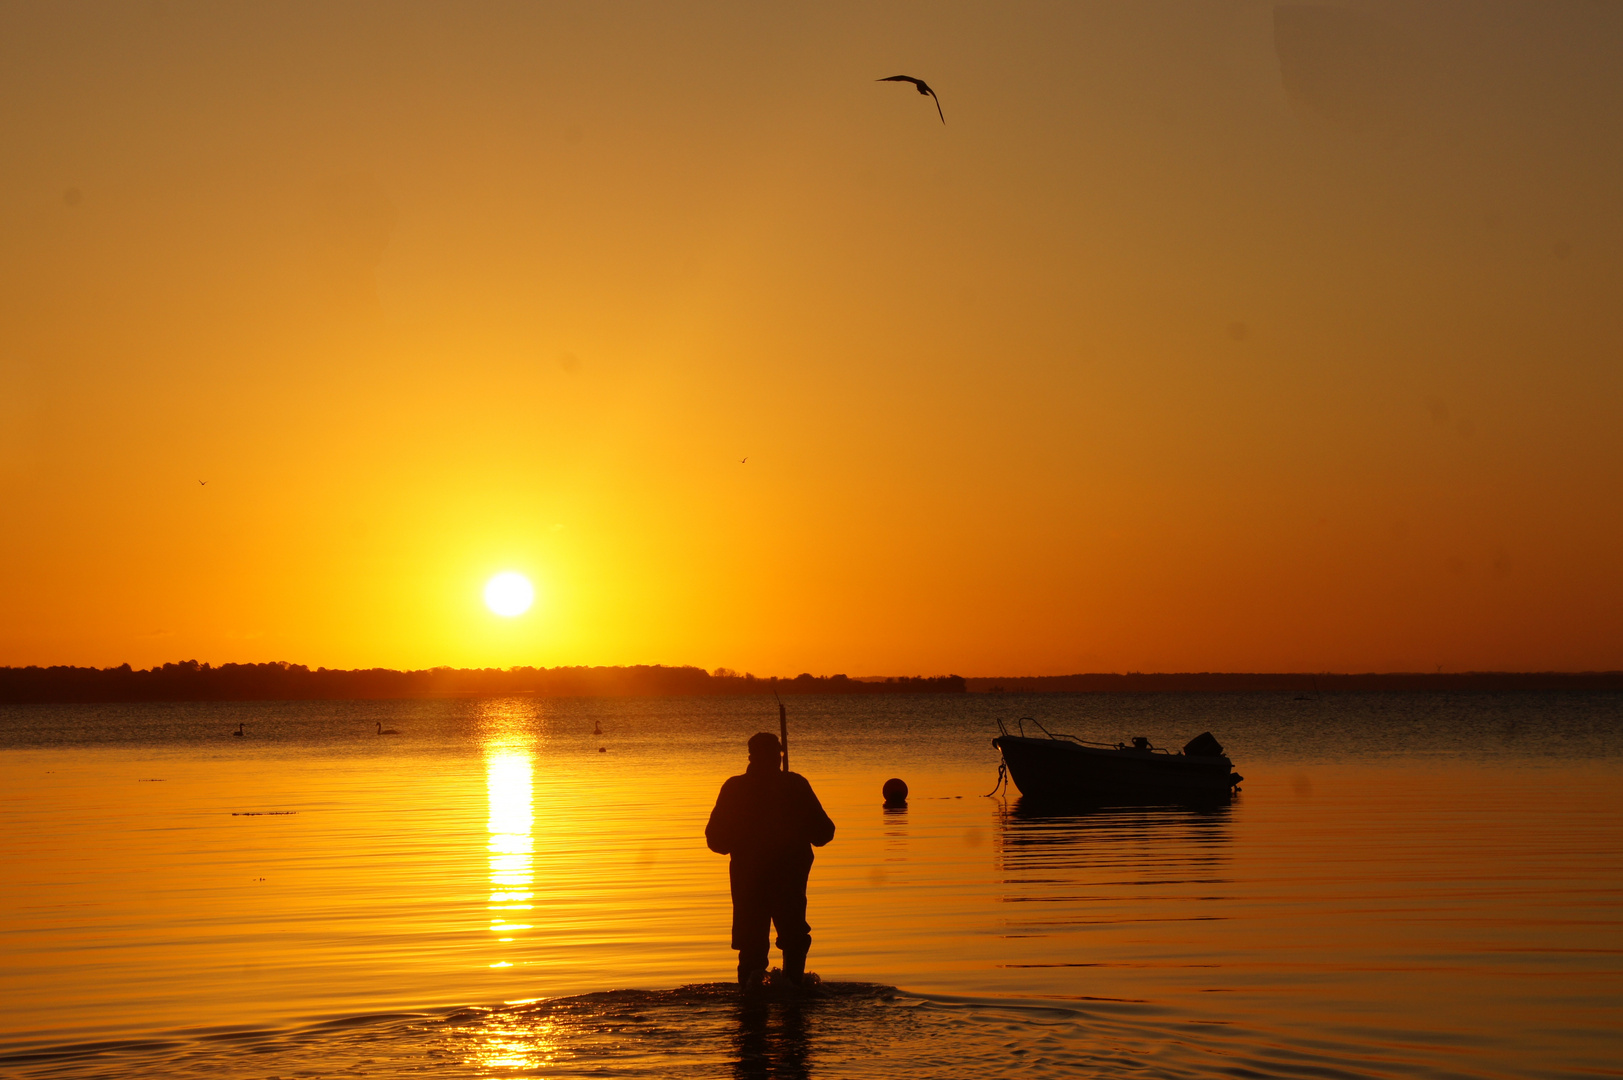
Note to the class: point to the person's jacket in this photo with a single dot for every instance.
(767, 813)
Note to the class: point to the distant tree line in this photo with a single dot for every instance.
(1295, 683)
(192, 681)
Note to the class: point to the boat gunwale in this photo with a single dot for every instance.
(1130, 753)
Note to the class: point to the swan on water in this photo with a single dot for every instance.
(386, 731)
(238, 732)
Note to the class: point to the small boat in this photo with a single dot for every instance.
(1064, 769)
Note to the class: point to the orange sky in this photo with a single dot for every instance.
(1201, 336)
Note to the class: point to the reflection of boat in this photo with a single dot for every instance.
(1163, 842)
(1070, 873)
(1063, 769)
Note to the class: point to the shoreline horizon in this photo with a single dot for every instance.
(191, 680)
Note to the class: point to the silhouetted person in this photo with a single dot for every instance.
(768, 820)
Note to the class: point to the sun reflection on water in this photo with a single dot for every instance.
(516, 1046)
(510, 846)
(509, 779)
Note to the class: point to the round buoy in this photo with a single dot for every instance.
(895, 792)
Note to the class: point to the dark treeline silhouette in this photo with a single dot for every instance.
(192, 681)
(1329, 683)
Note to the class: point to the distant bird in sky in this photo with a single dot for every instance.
(204, 483)
(745, 461)
(923, 88)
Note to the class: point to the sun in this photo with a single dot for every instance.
(509, 594)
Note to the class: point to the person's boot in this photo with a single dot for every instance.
(797, 981)
(752, 984)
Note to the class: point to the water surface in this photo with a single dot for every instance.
(1406, 885)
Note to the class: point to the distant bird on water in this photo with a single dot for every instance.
(386, 731)
(923, 88)
(238, 732)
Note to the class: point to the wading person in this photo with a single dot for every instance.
(768, 820)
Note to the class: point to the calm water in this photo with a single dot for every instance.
(1427, 885)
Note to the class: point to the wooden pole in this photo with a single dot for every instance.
(783, 730)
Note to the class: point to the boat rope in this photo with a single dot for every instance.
(1002, 779)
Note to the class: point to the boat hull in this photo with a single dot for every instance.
(1055, 770)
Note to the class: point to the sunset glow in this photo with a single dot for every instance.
(1176, 347)
(811, 539)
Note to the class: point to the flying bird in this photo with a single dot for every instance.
(204, 483)
(745, 461)
(923, 88)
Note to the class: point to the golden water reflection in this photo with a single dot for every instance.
(515, 1044)
(509, 780)
(510, 847)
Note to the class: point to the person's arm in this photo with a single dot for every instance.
(818, 825)
(721, 831)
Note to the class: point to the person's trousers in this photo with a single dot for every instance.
(766, 893)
